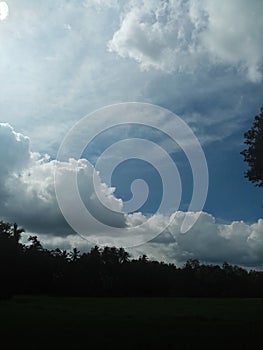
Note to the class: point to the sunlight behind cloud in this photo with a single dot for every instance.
(3, 10)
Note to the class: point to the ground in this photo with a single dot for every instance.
(130, 323)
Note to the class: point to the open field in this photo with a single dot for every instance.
(129, 323)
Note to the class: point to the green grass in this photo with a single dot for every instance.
(131, 323)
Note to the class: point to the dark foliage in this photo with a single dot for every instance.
(253, 155)
(31, 269)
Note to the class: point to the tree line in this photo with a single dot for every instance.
(110, 271)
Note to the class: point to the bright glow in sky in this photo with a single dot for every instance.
(3, 10)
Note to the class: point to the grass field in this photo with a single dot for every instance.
(131, 323)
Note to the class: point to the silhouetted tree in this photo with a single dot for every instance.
(17, 232)
(143, 258)
(192, 264)
(35, 244)
(123, 256)
(253, 154)
(74, 255)
(10, 258)
(32, 269)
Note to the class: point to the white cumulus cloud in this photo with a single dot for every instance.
(180, 35)
(27, 187)
(236, 242)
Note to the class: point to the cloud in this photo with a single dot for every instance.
(55, 68)
(52, 75)
(236, 242)
(64, 70)
(100, 4)
(27, 187)
(28, 196)
(14, 151)
(180, 35)
(210, 242)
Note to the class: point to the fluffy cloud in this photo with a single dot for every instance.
(28, 197)
(180, 35)
(236, 242)
(27, 187)
(215, 242)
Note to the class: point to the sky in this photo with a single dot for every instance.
(69, 69)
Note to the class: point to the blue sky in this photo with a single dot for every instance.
(61, 60)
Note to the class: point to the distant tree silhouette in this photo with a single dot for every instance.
(10, 256)
(123, 256)
(17, 232)
(36, 245)
(143, 258)
(110, 271)
(192, 264)
(74, 255)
